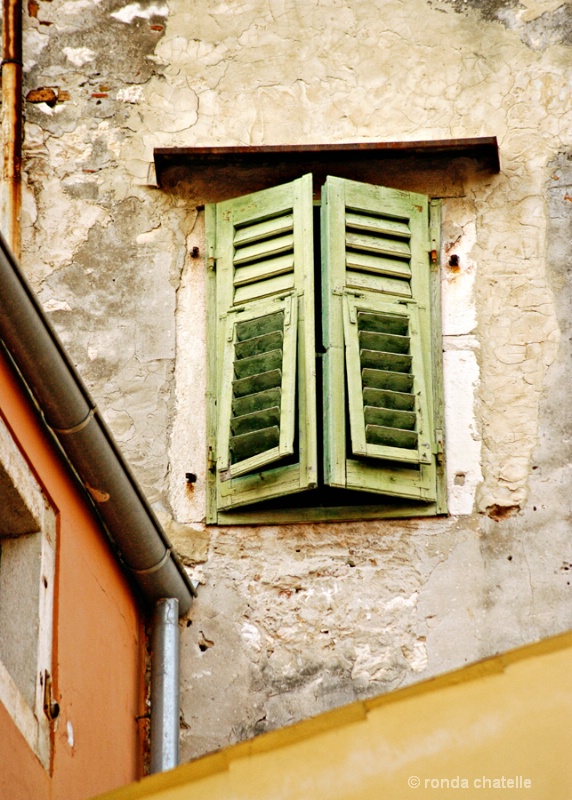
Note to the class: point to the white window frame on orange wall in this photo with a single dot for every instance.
(27, 574)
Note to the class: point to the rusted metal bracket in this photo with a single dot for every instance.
(51, 707)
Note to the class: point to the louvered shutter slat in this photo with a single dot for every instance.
(378, 225)
(380, 398)
(389, 417)
(252, 444)
(258, 364)
(392, 437)
(382, 379)
(259, 326)
(377, 264)
(374, 244)
(264, 249)
(264, 288)
(256, 383)
(250, 403)
(259, 344)
(379, 283)
(272, 267)
(269, 228)
(385, 361)
(255, 421)
(387, 325)
(381, 340)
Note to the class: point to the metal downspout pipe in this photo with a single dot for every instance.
(165, 697)
(11, 199)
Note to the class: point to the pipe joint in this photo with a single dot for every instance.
(76, 428)
(155, 567)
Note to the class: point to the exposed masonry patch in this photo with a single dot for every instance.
(549, 29)
(126, 56)
(129, 13)
(498, 512)
(488, 9)
(78, 56)
(44, 94)
(130, 94)
(552, 27)
(34, 43)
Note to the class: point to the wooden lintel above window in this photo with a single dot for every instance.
(213, 173)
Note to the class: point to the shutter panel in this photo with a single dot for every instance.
(380, 435)
(258, 387)
(264, 396)
(385, 377)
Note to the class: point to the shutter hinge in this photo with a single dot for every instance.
(341, 290)
(51, 707)
(211, 460)
(211, 260)
(439, 446)
(352, 313)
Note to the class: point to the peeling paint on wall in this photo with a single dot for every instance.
(539, 24)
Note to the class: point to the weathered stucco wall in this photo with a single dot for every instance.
(295, 619)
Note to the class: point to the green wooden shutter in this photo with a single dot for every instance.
(262, 386)
(378, 400)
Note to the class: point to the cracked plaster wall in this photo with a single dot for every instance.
(291, 620)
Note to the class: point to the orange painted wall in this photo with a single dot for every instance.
(98, 656)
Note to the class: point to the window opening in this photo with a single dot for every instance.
(386, 414)
(27, 568)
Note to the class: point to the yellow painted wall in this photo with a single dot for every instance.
(466, 735)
